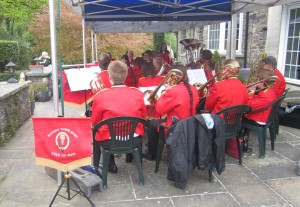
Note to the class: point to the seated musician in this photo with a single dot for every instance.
(131, 57)
(179, 100)
(259, 97)
(270, 63)
(134, 72)
(160, 68)
(166, 55)
(119, 100)
(150, 79)
(104, 61)
(228, 92)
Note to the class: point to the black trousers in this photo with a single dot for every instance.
(106, 145)
(153, 135)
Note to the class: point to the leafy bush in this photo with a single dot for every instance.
(8, 50)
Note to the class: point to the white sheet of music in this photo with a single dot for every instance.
(196, 76)
(79, 79)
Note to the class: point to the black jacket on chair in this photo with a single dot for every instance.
(191, 144)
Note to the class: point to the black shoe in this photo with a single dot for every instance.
(128, 158)
(112, 168)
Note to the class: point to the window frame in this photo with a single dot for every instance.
(221, 48)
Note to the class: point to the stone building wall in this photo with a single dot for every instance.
(256, 41)
(15, 108)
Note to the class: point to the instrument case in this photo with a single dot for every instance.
(86, 180)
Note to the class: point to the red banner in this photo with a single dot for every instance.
(62, 143)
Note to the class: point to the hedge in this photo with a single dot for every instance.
(8, 50)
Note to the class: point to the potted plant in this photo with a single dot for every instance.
(41, 93)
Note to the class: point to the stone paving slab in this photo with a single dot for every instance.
(247, 188)
(271, 181)
(288, 189)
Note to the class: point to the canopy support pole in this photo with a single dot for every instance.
(53, 57)
(83, 41)
(92, 43)
(96, 47)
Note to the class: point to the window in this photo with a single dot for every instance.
(292, 59)
(218, 37)
(214, 35)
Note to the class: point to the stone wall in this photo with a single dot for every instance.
(15, 108)
(256, 40)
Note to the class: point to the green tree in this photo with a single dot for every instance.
(16, 14)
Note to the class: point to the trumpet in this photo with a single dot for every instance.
(97, 85)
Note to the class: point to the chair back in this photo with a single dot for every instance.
(274, 111)
(232, 117)
(121, 130)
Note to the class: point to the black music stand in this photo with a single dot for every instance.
(67, 177)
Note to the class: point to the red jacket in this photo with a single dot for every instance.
(117, 101)
(105, 78)
(149, 81)
(261, 100)
(133, 76)
(176, 102)
(280, 85)
(226, 93)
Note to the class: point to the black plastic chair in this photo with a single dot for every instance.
(276, 120)
(271, 124)
(233, 117)
(121, 130)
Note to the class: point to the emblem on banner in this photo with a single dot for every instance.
(62, 141)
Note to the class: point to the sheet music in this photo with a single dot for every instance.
(79, 79)
(196, 76)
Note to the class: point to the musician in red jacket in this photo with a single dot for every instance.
(104, 61)
(270, 63)
(151, 80)
(262, 95)
(229, 91)
(179, 100)
(119, 100)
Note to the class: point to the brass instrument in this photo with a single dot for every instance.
(193, 48)
(173, 77)
(268, 83)
(202, 88)
(97, 84)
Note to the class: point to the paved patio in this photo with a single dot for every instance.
(271, 181)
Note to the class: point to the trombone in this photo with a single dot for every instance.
(268, 83)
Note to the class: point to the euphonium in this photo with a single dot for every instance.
(97, 84)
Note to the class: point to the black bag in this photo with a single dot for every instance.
(290, 115)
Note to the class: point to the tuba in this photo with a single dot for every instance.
(193, 48)
(97, 84)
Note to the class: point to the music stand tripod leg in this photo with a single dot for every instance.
(68, 177)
